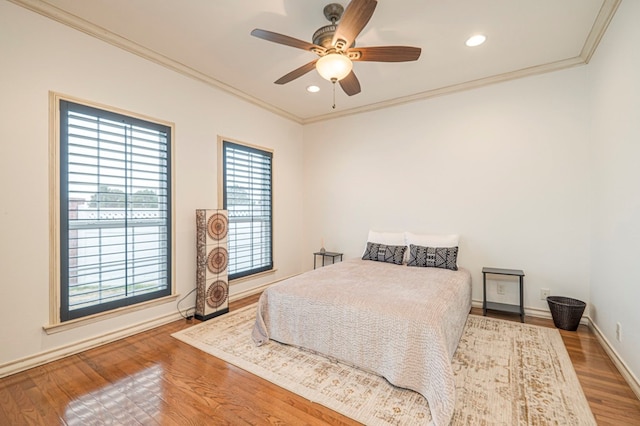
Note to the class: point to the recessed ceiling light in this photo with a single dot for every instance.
(313, 89)
(475, 40)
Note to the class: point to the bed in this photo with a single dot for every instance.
(397, 321)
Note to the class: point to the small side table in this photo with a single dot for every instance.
(325, 255)
(504, 307)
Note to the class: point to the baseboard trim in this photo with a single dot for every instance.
(44, 357)
(256, 290)
(25, 363)
(249, 292)
(60, 352)
(533, 312)
(622, 367)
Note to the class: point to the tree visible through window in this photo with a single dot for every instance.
(115, 210)
(247, 196)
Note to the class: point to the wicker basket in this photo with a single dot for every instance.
(566, 312)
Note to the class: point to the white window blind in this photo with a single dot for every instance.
(247, 195)
(115, 210)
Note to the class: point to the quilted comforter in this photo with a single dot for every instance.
(400, 322)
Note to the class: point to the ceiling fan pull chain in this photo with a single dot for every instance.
(333, 82)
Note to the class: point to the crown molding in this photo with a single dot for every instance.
(75, 22)
(441, 91)
(598, 29)
(600, 25)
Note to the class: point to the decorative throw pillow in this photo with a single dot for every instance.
(433, 257)
(386, 238)
(430, 240)
(384, 253)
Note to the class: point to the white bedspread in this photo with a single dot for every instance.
(400, 322)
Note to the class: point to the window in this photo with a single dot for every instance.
(115, 210)
(246, 192)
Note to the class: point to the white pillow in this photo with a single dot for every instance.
(432, 240)
(386, 238)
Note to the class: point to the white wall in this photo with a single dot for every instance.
(505, 166)
(538, 174)
(38, 55)
(615, 85)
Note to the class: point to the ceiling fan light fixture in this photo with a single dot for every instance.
(334, 66)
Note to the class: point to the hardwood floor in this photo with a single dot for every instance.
(152, 378)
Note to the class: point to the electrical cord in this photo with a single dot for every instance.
(186, 315)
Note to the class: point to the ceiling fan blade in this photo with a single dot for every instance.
(350, 84)
(384, 53)
(288, 41)
(298, 72)
(353, 20)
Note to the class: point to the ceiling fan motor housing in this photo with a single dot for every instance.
(324, 35)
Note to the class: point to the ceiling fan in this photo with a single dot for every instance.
(335, 46)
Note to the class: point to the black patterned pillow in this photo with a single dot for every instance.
(433, 257)
(384, 253)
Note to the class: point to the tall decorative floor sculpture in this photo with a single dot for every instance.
(212, 296)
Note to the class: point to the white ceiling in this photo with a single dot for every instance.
(210, 40)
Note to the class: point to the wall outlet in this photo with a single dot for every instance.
(500, 288)
(618, 332)
(544, 293)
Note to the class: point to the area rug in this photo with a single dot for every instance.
(506, 373)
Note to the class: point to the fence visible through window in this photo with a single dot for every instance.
(248, 199)
(115, 210)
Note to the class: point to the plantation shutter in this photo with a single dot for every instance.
(115, 210)
(247, 197)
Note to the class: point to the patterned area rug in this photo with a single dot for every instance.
(507, 373)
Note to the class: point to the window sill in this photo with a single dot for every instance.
(79, 322)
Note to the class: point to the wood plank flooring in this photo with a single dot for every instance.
(152, 378)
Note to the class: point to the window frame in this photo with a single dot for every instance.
(56, 240)
(222, 179)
